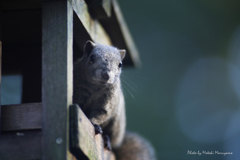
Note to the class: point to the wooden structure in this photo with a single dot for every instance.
(41, 39)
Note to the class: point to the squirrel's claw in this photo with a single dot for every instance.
(97, 128)
(107, 143)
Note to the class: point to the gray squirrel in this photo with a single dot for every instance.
(97, 90)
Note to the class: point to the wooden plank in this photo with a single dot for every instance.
(21, 117)
(20, 146)
(99, 8)
(83, 138)
(118, 31)
(57, 78)
(28, 116)
(80, 36)
(93, 27)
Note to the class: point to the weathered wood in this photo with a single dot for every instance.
(21, 117)
(57, 78)
(99, 8)
(93, 27)
(110, 31)
(83, 141)
(83, 138)
(20, 146)
(118, 31)
(80, 36)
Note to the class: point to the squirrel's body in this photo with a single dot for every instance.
(97, 89)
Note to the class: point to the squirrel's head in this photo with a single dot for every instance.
(102, 63)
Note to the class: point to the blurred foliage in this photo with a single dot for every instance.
(171, 36)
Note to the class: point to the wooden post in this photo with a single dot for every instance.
(57, 78)
(83, 139)
(93, 27)
(21, 117)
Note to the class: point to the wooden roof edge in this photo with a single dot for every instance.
(134, 53)
(115, 26)
(120, 35)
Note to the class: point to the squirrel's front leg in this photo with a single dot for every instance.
(97, 128)
(107, 143)
(98, 117)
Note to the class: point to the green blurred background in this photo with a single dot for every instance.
(186, 95)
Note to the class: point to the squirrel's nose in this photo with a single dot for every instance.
(105, 76)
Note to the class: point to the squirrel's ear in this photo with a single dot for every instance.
(88, 47)
(123, 53)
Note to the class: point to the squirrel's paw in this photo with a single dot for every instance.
(97, 128)
(107, 143)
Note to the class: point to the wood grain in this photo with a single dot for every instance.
(83, 138)
(21, 117)
(92, 26)
(20, 146)
(110, 31)
(57, 78)
(119, 33)
(51, 117)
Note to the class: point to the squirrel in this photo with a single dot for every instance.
(135, 147)
(97, 90)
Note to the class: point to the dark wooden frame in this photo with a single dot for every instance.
(55, 129)
(57, 75)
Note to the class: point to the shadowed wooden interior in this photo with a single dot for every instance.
(41, 39)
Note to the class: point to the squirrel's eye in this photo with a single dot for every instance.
(120, 65)
(92, 58)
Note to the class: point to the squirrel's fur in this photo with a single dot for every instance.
(97, 89)
(135, 147)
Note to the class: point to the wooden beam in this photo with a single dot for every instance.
(99, 8)
(57, 78)
(109, 31)
(23, 120)
(93, 27)
(118, 31)
(83, 138)
(20, 146)
(21, 117)
(80, 36)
